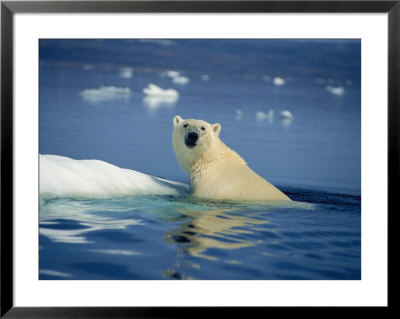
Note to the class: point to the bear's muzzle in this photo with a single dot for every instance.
(191, 139)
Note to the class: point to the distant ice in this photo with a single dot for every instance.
(181, 80)
(176, 77)
(126, 73)
(105, 93)
(157, 101)
(157, 97)
(278, 81)
(172, 73)
(154, 90)
(205, 77)
(335, 90)
(286, 115)
(63, 177)
(261, 116)
(240, 114)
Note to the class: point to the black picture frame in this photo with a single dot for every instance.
(9, 8)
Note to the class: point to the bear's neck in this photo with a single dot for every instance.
(212, 157)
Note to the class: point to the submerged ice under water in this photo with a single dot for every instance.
(112, 234)
(114, 203)
(172, 237)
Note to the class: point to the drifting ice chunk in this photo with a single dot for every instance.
(239, 114)
(105, 93)
(261, 116)
(172, 73)
(278, 81)
(65, 177)
(335, 90)
(154, 90)
(157, 101)
(176, 77)
(126, 73)
(180, 80)
(286, 115)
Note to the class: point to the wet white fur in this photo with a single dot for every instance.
(216, 171)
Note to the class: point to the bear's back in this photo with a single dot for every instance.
(231, 179)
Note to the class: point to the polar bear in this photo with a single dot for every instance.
(216, 171)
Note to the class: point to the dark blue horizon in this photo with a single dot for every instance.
(298, 58)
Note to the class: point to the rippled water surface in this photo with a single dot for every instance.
(313, 157)
(174, 238)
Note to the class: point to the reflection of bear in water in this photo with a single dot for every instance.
(213, 228)
(216, 171)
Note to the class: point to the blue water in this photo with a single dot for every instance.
(315, 159)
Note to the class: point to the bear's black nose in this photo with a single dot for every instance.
(193, 137)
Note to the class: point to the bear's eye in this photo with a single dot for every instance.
(185, 125)
(203, 128)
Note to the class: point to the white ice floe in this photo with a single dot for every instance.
(261, 116)
(63, 177)
(239, 114)
(157, 97)
(181, 80)
(170, 74)
(278, 81)
(286, 115)
(105, 93)
(156, 101)
(335, 90)
(154, 90)
(176, 77)
(126, 73)
(173, 74)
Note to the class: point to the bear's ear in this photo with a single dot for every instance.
(216, 128)
(177, 119)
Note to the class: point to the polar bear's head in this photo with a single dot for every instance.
(192, 139)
